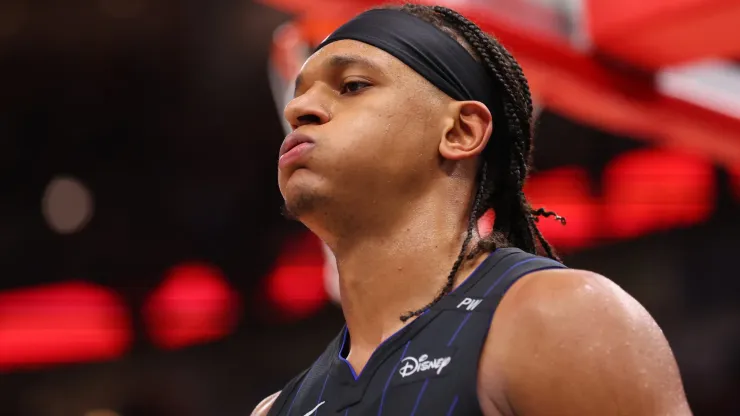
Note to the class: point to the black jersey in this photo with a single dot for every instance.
(429, 367)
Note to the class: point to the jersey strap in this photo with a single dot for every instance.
(485, 293)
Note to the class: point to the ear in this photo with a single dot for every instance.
(468, 131)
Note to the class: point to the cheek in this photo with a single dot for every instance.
(378, 154)
(389, 132)
(377, 144)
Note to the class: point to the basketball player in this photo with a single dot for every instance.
(409, 124)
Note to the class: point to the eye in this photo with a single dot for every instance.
(353, 87)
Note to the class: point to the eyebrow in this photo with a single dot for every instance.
(341, 62)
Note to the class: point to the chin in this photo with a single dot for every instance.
(300, 202)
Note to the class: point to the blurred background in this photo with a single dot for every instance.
(145, 268)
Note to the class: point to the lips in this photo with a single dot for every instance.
(294, 148)
(292, 141)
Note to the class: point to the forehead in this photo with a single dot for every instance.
(346, 52)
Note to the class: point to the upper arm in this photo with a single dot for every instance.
(265, 405)
(573, 342)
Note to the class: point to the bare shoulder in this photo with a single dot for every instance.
(265, 405)
(573, 342)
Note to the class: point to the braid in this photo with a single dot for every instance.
(500, 182)
(477, 206)
(543, 213)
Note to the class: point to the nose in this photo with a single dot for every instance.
(306, 109)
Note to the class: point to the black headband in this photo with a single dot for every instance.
(427, 50)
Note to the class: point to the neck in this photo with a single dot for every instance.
(385, 275)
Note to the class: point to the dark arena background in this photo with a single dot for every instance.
(145, 268)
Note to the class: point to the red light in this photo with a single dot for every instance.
(565, 191)
(296, 284)
(61, 323)
(652, 190)
(485, 223)
(194, 304)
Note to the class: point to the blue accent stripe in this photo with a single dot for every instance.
(296, 393)
(346, 411)
(388, 382)
(418, 398)
(459, 328)
(321, 395)
(452, 406)
(341, 349)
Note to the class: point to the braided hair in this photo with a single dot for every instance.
(506, 160)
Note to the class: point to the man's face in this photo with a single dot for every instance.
(375, 124)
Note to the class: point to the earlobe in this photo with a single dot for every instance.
(470, 130)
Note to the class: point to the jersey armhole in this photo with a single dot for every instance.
(521, 269)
